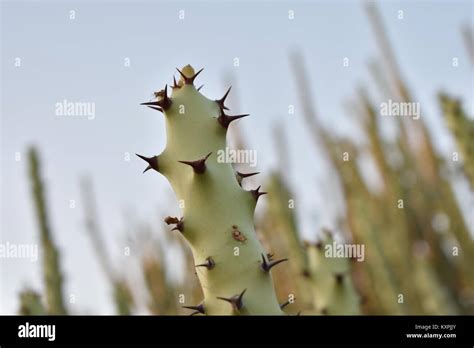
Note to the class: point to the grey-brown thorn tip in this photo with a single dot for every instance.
(221, 101)
(199, 88)
(157, 108)
(257, 193)
(199, 166)
(268, 265)
(175, 85)
(241, 176)
(189, 80)
(163, 102)
(170, 220)
(225, 120)
(152, 162)
(235, 301)
(339, 278)
(284, 304)
(209, 264)
(199, 309)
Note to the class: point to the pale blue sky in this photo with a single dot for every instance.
(82, 60)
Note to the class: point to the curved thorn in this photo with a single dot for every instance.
(235, 301)
(284, 304)
(196, 74)
(209, 264)
(189, 80)
(198, 309)
(199, 88)
(152, 162)
(225, 120)
(199, 166)
(221, 101)
(175, 85)
(240, 176)
(246, 175)
(268, 265)
(256, 193)
(155, 108)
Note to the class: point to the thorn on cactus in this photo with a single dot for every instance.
(152, 162)
(199, 309)
(235, 301)
(241, 176)
(339, 278)
(225, 120)
(267, 265)
(199, 166)
(175, 85)
(169, 220)
(221, 101)
(284, 304)
(199, 88)
(163, 100)
(189, 80)
(256, 193)
(156, 108)
(209, 264)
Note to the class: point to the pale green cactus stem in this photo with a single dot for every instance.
(218, 214)
(123, 297)
(462, 128)
(30, 303)
(52, 275)
(334, 292)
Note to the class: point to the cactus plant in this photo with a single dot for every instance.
(232, 266)
(334, 293)
(30, 303)
(52, 276)
(462, 128)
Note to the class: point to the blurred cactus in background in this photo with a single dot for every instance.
(31, 303)
(419, 250)
(52, 275)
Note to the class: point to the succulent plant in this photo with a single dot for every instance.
(232, 266)
(31, 303)
(462, 128)
(52, 276)
(334, 293)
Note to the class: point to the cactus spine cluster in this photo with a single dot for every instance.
(217, 222)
